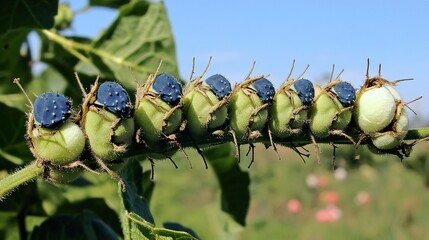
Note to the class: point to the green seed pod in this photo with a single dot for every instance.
(61, 175)
(107, 120)
(374, 109)
(393, 138)
(289, 111)
(158, 109)
(205, 105)
(380, 113)
(108, 135)
(248, 107)
(331, 110)
(58, 146)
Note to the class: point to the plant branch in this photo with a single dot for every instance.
(73, 46)
(33, 171)
(12, 181)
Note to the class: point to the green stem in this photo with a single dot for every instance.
(417, 134)
(297, 140)
(32, 171)
(22, 176)
(71, 46)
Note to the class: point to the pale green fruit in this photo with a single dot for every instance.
(198, 109)
(394, 93)
(150, 119)
(374, 109)
(241, 107)
(61, 146)
(343, 119)
(62, 175)
(392, 139)
(281, 113)
(107, 140)
(322, 113)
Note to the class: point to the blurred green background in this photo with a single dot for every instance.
(377, 196)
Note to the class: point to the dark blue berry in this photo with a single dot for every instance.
(345, 92)
(219, 85)
(115, 99)
(264, 89)
(51, 109)
(168, 88)
(305, 90)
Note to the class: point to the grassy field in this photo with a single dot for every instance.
(393, 201)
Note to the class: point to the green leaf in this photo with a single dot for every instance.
(131, 198)
(148, 186)
(27, 14)
(108, 3)
(234, 182)
(86, 225)
(15, 60)
(13, 146)
(137, 40)
(140, 229)
(48, 80)
(136, 219)
(180, 227)
(132, 202)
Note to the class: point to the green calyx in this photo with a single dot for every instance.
(61, 175)
(248, 114)
(204, 112)
(59, 147)
(327, 114)
(108, 135)
(157, 119)
(287, 114)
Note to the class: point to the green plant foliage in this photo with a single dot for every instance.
(138, 39)
(85, 225)
(27, 14)
(233, 181)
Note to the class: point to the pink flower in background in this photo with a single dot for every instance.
(329, 197)
(362, 198)
(330, 213)
(312, 181)
(340, 173)
(323, 181)
(294, 206)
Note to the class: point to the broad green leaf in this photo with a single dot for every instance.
(64, 63)
(234, 182)
(134, 45)
(86, 225)
(49, 80)
(148, 186)
(27, 14)
(108, 3)
(180, 227)
(140, 229)
(15, 60)
(132, 202)
(136, 219)
(13, 146)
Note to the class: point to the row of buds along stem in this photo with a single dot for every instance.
(107, 124)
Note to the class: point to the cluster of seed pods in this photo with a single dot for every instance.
(108, 124)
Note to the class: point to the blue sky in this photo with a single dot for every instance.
(320, 33)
